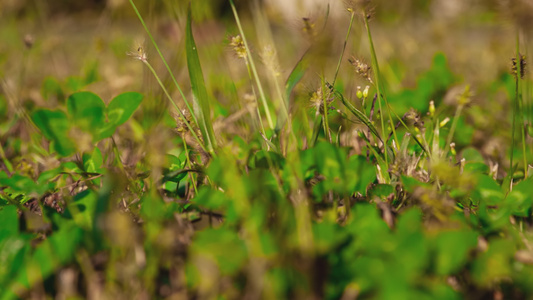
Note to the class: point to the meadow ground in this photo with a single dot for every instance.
(375, 150)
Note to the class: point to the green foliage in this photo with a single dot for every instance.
(359, 197)
(88, 113)
(201, 102)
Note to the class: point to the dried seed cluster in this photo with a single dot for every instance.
(519, 62)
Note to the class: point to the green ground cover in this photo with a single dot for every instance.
(161, 149)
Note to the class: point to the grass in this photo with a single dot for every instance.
(282, 178)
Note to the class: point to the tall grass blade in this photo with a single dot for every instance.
(360, 116)
(201, 102)
(253, 68)
(296, 75)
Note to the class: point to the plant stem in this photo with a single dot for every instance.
(164, 62)
(452, 128)
(175, 105)
(191, 178)
(378, 88)
(252, 65)
(352, 17)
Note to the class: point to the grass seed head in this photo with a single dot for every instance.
(357, 6)
(317, 100)
(238, 46)
(181, 125)
(308, 28)
(361, 68)
(139, 54)
(269, 58)
(520, 62)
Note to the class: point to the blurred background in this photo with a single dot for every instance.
(70, 37)
(427, 50)
(77, 45)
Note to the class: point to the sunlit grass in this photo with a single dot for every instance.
(296, 171)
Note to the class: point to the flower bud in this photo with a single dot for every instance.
(431, 108)
(359, 93)
(444, 122)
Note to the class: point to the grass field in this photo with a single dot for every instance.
(248, 150)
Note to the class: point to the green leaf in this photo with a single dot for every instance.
(93, 162)
(296, 75)
(225, 247)
(118, 112)
(362, 173)
(202, 109)
(521, 198)
(10, 225)
(26, 185)
(56, 251)
(488, 191)
(266, 159)
(52, 88)
(495, 263)
(82, 209)
(381, 190)
(410, 184)
(122, 107)
(87, 111)
(452, 250)
(55, 126)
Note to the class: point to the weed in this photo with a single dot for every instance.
(258, 188)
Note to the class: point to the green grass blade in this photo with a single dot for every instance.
(201, 102)
(296, 75)
(360, 116)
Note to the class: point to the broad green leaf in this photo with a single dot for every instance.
(56, 251)
(488, 191)
(266, 159)
(82, 209)
(381, 191)
(93, 162)
(10, 225)
(521, 198)
(87, 111)
(118, 112)
(410, 184)
(495, 263)
(225, 247)
(362, 172)
(23, 184)
(122, 107)
(55, 126)
(327, 235)
(52, 88)
(452, 249)
(201, 101)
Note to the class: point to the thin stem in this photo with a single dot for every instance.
(255, 96)
(175, 105)
(352, 17)
(252, 65)
(378, 87)
(191, 178)
(164, 62)
(7, 163)
(452, 128)
(515, 104)
(325, 96)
